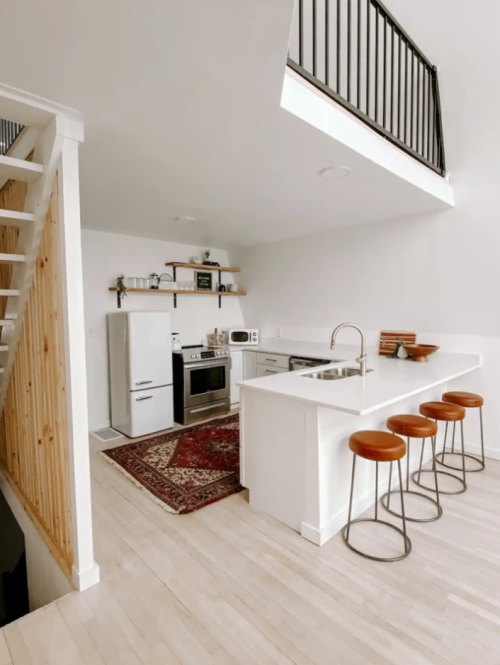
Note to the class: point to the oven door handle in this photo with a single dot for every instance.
(217, 363)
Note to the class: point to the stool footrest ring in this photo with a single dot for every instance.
(412, 519)
(377, 558)
(441, 473)
(456, 468)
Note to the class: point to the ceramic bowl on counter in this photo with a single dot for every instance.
(419, 352)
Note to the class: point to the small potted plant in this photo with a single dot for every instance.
(121, 289)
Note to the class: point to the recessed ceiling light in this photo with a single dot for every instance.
(335, 172)
(184, 219)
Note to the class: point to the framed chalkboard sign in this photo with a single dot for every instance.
(204, 281)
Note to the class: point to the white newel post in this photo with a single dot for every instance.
(85, 571)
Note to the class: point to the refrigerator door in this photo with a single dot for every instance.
(151, 411)
(149, 350)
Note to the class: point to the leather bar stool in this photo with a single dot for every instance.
(413, 427)
(467, 401)
(442, 412)
(377, 447)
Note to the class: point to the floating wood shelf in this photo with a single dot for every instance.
(183, 292)
(200, 266)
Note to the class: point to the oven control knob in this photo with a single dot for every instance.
(226, 352)
(218, 353)
(198, 355)
(193, 355)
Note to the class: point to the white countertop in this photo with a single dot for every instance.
(391, 380)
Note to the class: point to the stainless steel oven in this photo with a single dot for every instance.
(201, 384)
(206, 381)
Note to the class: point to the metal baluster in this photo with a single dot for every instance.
(368, 31)
(399, 86)
(339, 48)
(433, 118)
(327, 43)
(314, 37)
(358, 98)
(377, 12)
(418, 105)
(392, 79)
(301, 32)
(424, 97)
(428, 114)
(349, 27)
(406, 92)
(384, 114)
(412, 96)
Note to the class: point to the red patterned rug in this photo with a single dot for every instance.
(187, 469)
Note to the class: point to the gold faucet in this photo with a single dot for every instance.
(362, 359)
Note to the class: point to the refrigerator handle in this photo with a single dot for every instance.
(142, 383)
(141, 399)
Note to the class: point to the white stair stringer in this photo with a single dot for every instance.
(47, 153)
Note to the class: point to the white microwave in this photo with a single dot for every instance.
(243, 336)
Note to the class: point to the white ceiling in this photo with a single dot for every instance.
(181, 101)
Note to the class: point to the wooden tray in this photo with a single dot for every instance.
(389, 339)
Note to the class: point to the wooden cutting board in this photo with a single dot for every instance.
(389, 338)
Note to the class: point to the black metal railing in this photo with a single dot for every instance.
(9, 131)
(357, 53)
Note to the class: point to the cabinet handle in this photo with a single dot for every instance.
(205, 408)
(142, 383)
(271, 371)
(141, 399)
(271, 360)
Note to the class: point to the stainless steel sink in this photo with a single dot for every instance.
(335, 374)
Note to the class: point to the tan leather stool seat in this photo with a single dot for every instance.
(467, 400)
(412, 426)
(377, 446)
(442, 411)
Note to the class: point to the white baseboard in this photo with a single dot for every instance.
(97, 426)
(86, 578)
(473, 448)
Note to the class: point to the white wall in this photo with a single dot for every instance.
(107, 255)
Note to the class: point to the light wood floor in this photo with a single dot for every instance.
(229, 585)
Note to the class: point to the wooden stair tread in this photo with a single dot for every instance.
(12, 258)
(12, 218)
(9, 292)
(19, 169)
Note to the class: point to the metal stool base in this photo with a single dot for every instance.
(378, 558)
(456, 468)
(442, 473)
(413, 519)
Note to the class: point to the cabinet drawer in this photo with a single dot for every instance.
(267, 370)
(273, 359)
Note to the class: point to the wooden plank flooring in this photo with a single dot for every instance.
(228, 585)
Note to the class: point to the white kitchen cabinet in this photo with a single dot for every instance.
(249, 365)
(236, 375)
(267, 370)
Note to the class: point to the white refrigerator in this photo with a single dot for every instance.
(140, 358)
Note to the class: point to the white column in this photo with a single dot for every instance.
(85, 570)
